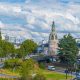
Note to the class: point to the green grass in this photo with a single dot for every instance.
(3, 79)
(56, 76)
(51, 75)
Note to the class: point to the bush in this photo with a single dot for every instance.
(27, 69)
(26, 78)
(42, 65)
(39, 77)
(11, 63)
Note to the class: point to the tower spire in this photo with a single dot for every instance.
(53, 42)
(53, 27)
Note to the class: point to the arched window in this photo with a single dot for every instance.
(52, 37)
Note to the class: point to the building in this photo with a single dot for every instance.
(53, 42)
(6, 37)
(51, 47)
(12, 39)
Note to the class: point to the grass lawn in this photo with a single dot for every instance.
(3, 79)
(51, 75)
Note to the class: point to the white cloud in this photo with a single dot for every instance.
(1, 25)
(11, 9)
(39, 16)
(30, 19)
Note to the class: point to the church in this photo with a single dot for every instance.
(50, 48)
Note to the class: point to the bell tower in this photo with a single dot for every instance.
(53, 41)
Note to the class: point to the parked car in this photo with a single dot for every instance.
(52, 68)
(76, 79)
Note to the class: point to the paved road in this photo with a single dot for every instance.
(1, 64)
(5, 75)
(62, 70)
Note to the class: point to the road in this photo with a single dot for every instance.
(62, 70)
(5, 75)
(1, 64)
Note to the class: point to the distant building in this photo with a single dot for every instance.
(53, 42)
(51, 47)
(13, 40)
(43, 49)
(6, 37)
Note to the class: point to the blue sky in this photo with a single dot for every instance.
(32, 19)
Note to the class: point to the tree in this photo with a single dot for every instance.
(27, 69)
(13, 63)
(0, 35)
(68, 50)
(1, 53)
(18, 53)
(2, 48)
(6, 48)
(27, 47)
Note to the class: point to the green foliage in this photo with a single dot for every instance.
(29, 72)
(39, 77)
(68, 49)
(27, 47)
(6, 48)
(1, 52)
(42, 65)
(12, 63)
(27, 69)
(17, 51)
(2, 43)
(0, 35)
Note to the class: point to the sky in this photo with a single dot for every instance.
(32, 19)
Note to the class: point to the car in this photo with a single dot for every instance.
(52, 68)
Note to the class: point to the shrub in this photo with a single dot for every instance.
(11, 63)
(27, 69)
(42, 65)
(39, 77)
